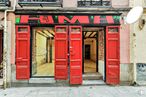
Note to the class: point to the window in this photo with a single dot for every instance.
(39, 3)
(22, 29)
(94, 3)
(38, 0)
(4, 3)
(113, 30)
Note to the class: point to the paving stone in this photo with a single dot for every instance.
(75, 91)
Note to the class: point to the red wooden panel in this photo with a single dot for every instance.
(110, 19)
(22, 52)
(46, 20)
(1, 46)
(24, 19)
(61, 51)
(75, 54)
(112, 55)
(96, 19)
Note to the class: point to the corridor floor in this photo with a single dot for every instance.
(46, 69)
(89, 66)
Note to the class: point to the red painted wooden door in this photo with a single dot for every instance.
(75, 50)
(61, 52)
(112, 55)
(1, 46)
(22, 52)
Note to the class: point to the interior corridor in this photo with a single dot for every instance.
(93, 55)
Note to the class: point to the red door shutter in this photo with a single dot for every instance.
(22, 52)
(75, 54)
(112, 55)
(61, 51)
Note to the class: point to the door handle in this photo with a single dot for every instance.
(71, 51)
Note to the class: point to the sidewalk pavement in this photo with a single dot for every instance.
(75, 91)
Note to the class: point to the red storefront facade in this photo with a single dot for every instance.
(68, 41)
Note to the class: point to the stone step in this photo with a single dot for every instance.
(93, 82)
(42, 80)
(92, 76)
(1, 81)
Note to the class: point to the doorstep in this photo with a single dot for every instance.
(93, 82)
(1, 81)
(42, 80)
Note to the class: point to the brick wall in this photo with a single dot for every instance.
(101, 45)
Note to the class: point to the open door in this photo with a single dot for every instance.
(75, 50)
(22, 52)
(112, 55)
(61, 52)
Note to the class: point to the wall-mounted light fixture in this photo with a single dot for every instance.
(141, 23)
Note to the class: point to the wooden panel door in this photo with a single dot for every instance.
(112, 55)
(61, 52)
(22, 52)
(75, 50)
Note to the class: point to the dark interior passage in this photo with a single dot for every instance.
(87, 52)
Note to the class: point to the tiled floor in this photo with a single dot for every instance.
(89, 66)
(46, 69)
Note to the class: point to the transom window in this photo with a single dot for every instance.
(94, 3)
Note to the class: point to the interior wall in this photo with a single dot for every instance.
(53, 50)
(92, 43)
(34, 63)
(40, 49)
(101, 46)
(101, 52)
